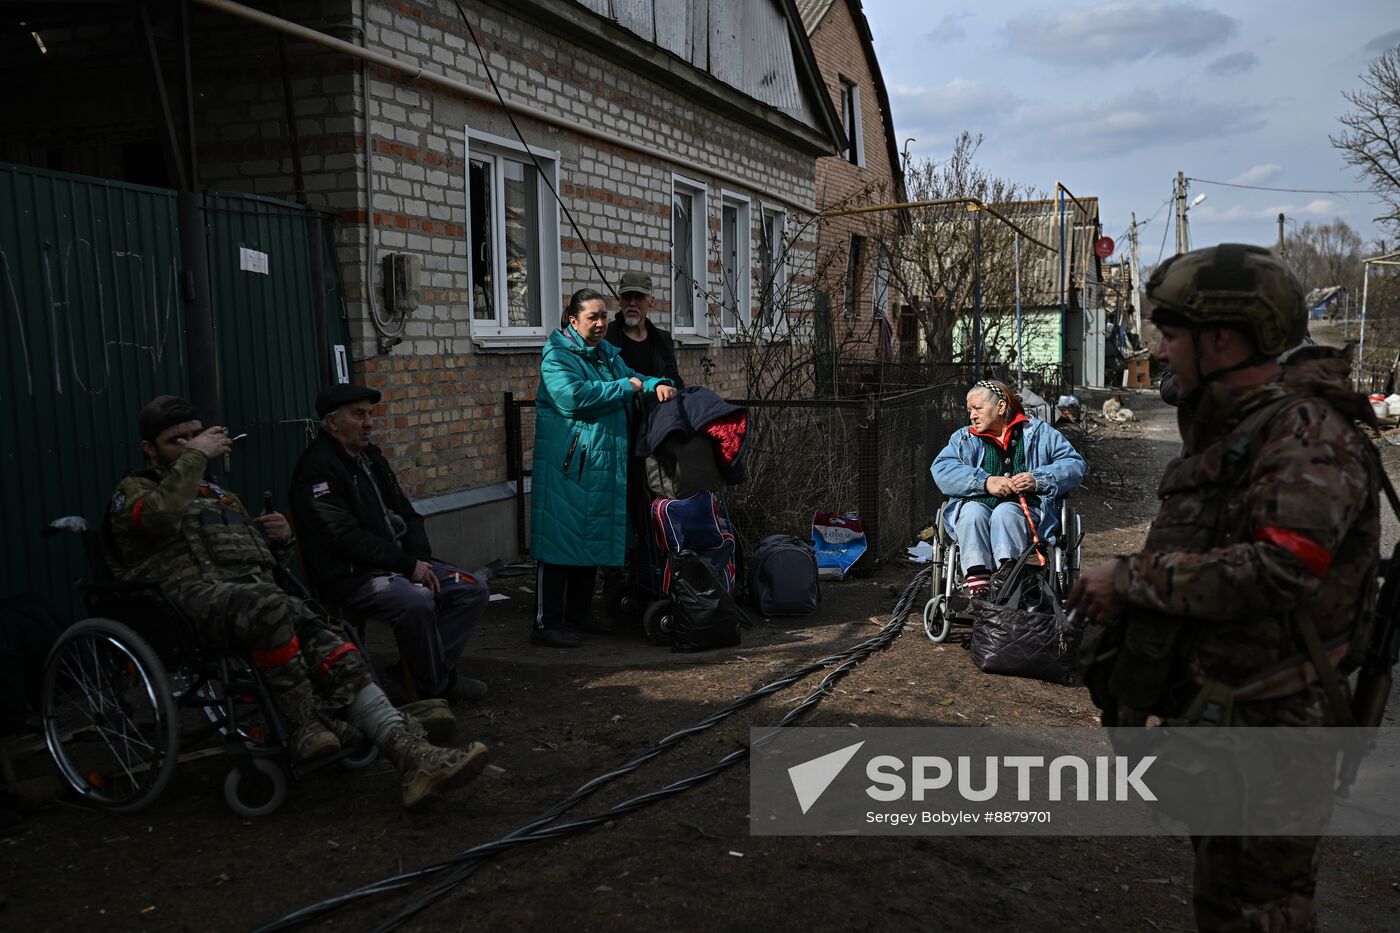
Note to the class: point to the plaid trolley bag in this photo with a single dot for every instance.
(697, 539)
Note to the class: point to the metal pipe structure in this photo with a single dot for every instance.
(977, 295)
(415, 72)
(937, 202)
(1384, 259)
(1020, 350)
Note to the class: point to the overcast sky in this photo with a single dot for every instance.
(1113, 99)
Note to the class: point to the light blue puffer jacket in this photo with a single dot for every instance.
(1057, 467)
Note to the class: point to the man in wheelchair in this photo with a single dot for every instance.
(1003, 473)
(216, 566)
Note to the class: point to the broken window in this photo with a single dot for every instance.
(850, 122)
(512, 240)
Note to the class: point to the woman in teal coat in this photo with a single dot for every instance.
(578, 509)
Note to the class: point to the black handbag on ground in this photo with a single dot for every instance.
(1021, 629)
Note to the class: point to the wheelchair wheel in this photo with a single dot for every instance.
(109, 718)
(1072, 534)
(937, 622)
(360, 758)
(259, 793)
(658, 621)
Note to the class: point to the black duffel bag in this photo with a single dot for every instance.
(706, 615)
(1021, 629)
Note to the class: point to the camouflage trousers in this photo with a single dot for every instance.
(287, 640)
(1265, 884)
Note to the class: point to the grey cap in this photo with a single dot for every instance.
(638, 282)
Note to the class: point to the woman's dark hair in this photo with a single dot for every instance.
(576, 302)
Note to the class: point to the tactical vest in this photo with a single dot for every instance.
(1148, 663)
(216, 543)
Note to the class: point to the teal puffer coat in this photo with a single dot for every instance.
(578, 508)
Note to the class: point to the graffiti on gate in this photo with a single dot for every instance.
(96, 304)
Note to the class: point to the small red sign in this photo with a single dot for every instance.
(1103, 247)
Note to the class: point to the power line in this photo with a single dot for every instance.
(1231, 184)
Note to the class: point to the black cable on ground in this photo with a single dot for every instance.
(466, 863)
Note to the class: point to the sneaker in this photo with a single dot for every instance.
(463, 688)
(594, 625)
(976, 586)
(554, 638)
(429, 770)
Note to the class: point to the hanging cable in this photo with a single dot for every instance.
(1231, 184)
(544, 827)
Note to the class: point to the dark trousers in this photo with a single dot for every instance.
(431, 631)
(562, 594)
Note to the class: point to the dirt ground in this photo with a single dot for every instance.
(556, 719)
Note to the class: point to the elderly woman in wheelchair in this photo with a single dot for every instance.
(1005, 476)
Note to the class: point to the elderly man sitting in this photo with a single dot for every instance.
(365, 549)
(1000, 473)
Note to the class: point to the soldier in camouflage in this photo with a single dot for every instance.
(1260, 564)
(216, 564)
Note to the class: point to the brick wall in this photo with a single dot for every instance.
(839, 54)
(442, 417)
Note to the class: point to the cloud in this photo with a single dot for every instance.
(1233, 64)
(1384, 43)
(1136, 120)
(959, 104)
(1212, 212)
(949, 28)
(1120, 31)
(1257, 175)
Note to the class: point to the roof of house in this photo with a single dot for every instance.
(812, 13)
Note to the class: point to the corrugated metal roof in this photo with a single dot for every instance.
(813, 12)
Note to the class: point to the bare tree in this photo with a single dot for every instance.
(1323, 255)
(952, 252)
(1371, 139)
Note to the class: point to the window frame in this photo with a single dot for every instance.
(780, 284)
(855, 265)
(855, 151)
(492, 334)
(699, 238)
(743, 263)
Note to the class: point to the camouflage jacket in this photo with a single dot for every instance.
(169, 522)
(1271, 514)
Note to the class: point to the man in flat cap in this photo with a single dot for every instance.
(215, 563)
(364, 548)
(646, 348)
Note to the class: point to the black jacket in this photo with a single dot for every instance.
(344, 535)
(655, 356)
(691, 410)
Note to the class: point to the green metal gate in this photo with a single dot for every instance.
(91, 319)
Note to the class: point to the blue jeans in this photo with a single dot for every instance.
(988, 536)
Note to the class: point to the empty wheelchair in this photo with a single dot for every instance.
(128, 694)
(947, 604)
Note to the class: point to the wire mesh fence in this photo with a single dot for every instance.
(870, 456)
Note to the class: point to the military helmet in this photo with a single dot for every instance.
(1233, 285)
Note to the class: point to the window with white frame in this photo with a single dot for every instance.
(850, 121)
(689, 270)
(512, 240)
(735, 223)
(773, 269)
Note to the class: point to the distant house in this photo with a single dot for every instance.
(853, 252)
(680, 139)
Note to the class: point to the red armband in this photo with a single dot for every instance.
(1313, 555)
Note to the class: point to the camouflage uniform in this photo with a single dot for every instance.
(170, 523)
(1268, 518)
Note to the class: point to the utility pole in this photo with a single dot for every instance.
(1135, 278)
(1183, 239)
(1280, 236)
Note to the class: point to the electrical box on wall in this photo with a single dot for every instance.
(400, 282)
